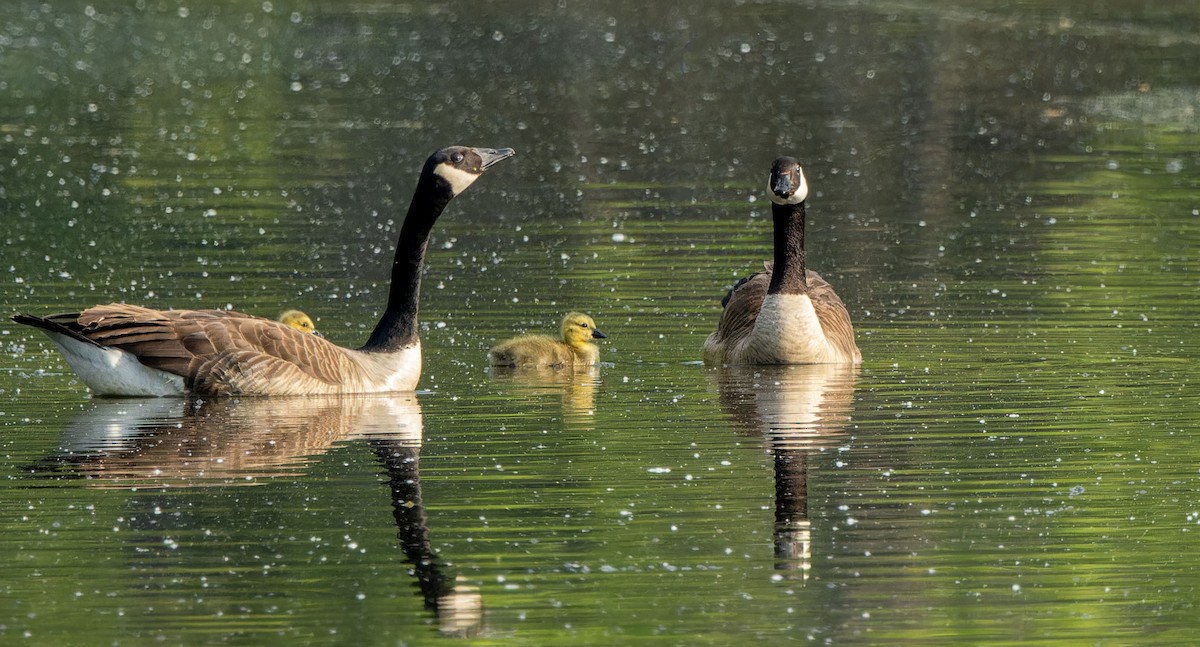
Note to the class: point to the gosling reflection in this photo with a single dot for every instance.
(576, 386)
(799, 409)
(153, 445)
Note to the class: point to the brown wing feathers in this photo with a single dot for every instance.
(216, 351)
(832, 313)
(252, 355)
(742, 305)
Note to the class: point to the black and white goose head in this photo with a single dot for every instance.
(787, 184)
(459, 166)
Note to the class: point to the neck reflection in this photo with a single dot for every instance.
(159, 449)
(799, 410)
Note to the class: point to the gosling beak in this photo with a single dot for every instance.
(596, 334)
(318, 333)
(492, 155)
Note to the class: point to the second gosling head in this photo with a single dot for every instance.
(298, 320)
(578, 330)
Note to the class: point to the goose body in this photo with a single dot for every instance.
(573, 349)
(786, 314)
(120, 349)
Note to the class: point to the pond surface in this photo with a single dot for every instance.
(1007, 199)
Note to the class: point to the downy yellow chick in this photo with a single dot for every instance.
(574, 349)
(299, 321)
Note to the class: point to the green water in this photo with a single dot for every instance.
(1006, 197)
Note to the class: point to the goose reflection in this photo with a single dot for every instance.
(799, 410)
(577, 387)
(167, 442)
(154, 444)
(457, 604)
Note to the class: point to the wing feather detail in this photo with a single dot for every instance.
(744, 302)
(833, 315)
(220, 352)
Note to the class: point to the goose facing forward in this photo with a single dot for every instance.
(785, 314)
(575, 348)
(120, 349)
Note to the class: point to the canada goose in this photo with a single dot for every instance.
(574, 349)
(784, 314)
(120, 349)
(299, 321)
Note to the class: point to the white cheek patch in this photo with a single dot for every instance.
(459, 179)
(796, 198)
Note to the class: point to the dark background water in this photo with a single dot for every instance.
(1005, 196)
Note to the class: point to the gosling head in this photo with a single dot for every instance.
(787, 184)
(578, 330)
(299, 321)
(459, 166)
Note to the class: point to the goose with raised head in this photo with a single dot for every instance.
(573, 349)
(786, 314)
(298, 320)
(120, 349)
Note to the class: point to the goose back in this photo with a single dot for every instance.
(218, 352)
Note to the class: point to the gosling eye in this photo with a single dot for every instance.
(456, 157)
(583, 325)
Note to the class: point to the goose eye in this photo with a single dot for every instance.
(456, 158)
(583, 325)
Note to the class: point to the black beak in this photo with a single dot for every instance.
(782, 185)
(492, 155)
(596, 334)
(318, 333)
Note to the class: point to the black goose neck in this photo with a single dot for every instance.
(397, 328)
(787, 275)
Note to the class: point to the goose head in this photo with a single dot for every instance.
(578, 330)
(787, 184)
(459, 166)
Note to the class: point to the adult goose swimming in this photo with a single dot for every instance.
(120, 349)
(786, 314)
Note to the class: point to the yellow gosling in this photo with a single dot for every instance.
(574, 349)
(299, 321)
